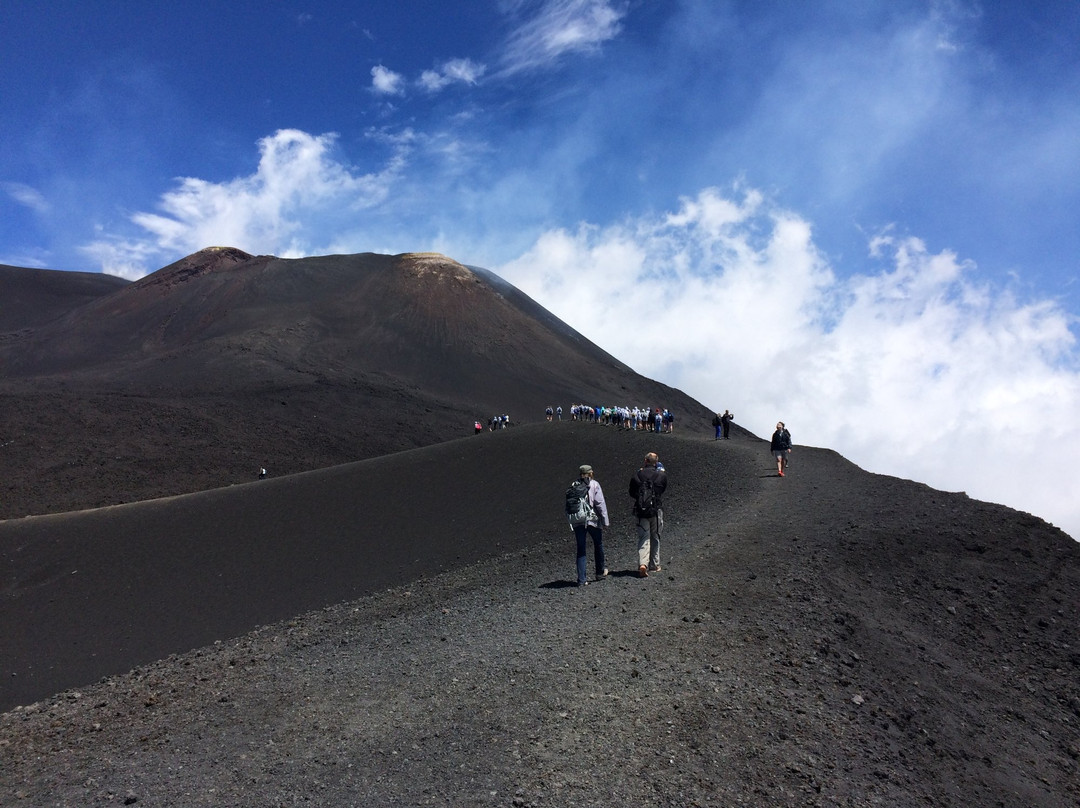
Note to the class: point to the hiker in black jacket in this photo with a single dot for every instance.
(646, 488)
(725, 421)
(780, 446)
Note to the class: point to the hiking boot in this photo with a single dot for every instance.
(642, 571)
(602, 575)
(655, 568)
(781, 473)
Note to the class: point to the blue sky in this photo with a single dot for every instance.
(860, 217)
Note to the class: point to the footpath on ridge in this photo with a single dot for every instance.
(798, 648)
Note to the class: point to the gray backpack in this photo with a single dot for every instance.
(578, 508)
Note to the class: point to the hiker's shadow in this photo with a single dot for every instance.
(573, 584)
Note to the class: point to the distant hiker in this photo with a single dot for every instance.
(262, 474)
(646, 488)
(587, 512)
(478, 427)
(549, 413)
(725, 421)
(781, 447)
(558, 412)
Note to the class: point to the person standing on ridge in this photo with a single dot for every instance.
(780, 446)
(589, 518)
(646, 488)
(725, 422)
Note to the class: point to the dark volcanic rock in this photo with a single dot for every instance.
(33, 297)
(204, 372)
(825, 639)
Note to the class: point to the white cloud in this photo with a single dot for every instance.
(557, 28)
(464, 71)
(27, 196)
(562, 26)
(912, 368)
(386, 82)
(298, 182)
(125, 258)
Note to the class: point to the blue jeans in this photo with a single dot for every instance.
(597, 533)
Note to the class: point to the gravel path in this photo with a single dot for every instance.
(771, 662)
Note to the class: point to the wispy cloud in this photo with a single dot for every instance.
(911, 368)
(464, 71)
(560, 27)
(556, 28)
(385, 81)
(26, 196)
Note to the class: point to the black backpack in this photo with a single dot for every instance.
(648, 503)
(578, 508)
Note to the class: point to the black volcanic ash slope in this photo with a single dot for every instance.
(196, 376)
(32, 297)
(835, 638)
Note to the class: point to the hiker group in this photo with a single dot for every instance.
(587, 512)
(631, 418)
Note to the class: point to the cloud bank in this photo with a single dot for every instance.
(912, 368)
